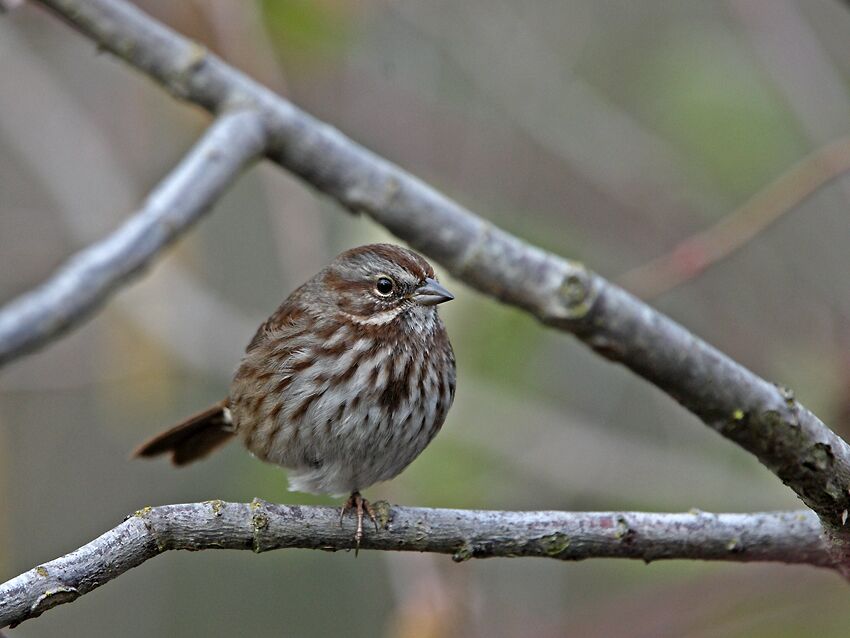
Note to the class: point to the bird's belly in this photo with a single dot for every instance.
(343, 438)
(346, 420)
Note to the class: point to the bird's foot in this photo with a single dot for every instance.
(360, 505)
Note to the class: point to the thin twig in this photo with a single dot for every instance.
(788, 537)
(90, 276)
(695, 254)
(757, 415)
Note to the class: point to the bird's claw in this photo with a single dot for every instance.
(359, 505)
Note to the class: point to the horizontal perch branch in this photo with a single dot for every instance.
(789, 537)
(88, 278)
(760, 417)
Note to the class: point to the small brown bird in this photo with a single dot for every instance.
(345, 384)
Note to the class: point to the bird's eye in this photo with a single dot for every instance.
(384, 286)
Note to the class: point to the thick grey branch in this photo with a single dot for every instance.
(760, 417)
(88, 278)
(789, 537)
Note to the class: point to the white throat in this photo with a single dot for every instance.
(379, 318)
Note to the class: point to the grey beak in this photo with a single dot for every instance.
(431, 293)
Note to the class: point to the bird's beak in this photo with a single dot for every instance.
(431, 293)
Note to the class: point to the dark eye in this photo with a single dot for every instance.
(384, 286)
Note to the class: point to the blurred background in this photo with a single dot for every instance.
(611, 132)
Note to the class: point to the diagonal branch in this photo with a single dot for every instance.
(92, 275)
(788, 537)
(760, 417)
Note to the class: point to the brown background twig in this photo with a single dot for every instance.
(693, 255)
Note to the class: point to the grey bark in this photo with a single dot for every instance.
(90, 276)
(789, 537)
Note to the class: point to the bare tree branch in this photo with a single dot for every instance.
(757, 415)
(90, 276)
(788, 537)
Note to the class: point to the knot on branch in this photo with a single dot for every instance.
(53, 597)
(371, 196)
(625, 533)
(145, 516)
(464, 552)
(178, 82)
(577, 293)
(555, 545)
(259, 525)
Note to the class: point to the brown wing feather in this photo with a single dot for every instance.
(191, 439)
(287, 315)
(202, 433)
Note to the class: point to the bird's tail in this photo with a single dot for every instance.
(193, 438)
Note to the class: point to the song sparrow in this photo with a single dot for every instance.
(345, 384)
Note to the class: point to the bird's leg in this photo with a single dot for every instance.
(359, 505)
